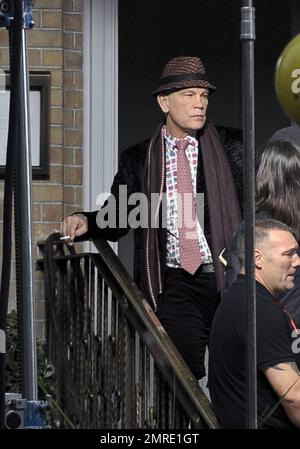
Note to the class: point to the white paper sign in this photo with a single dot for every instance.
(35, 119)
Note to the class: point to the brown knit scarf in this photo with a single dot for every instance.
(224, 210)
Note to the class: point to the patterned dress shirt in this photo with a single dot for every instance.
(173, 250)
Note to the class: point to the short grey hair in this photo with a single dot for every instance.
(261, 234)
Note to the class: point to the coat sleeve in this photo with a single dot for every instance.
(232, 139)
(111, 221)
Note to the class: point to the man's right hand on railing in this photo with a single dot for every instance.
(73, 226)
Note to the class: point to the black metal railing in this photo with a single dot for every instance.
(115, 365)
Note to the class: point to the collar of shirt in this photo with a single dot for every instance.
(171, 140)
(259, 287)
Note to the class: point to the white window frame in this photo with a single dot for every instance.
(100, 97)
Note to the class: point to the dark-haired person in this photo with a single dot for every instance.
(178, 271)
(290, 134)
(278, 196)
(278, 359)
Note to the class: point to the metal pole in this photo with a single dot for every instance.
(248, 38)
(24, 234)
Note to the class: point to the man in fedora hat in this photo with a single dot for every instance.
(176, 263)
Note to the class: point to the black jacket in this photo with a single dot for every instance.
(131, 173)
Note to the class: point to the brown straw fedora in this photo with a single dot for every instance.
(183, 72)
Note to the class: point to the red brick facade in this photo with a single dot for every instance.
(55, 45)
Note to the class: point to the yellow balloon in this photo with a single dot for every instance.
(287, 79)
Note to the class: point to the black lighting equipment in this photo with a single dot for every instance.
(19, 410)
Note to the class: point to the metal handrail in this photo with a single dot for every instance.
(144, 322)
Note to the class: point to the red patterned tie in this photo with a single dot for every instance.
(190, 258)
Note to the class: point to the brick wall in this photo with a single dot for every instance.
(55, 45)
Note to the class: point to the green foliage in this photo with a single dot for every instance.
(45, 370)
(12, 369)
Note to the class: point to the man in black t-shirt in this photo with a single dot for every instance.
(278, 361)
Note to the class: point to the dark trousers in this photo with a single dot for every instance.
(186, 309)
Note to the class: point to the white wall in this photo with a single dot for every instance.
(100, 70)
